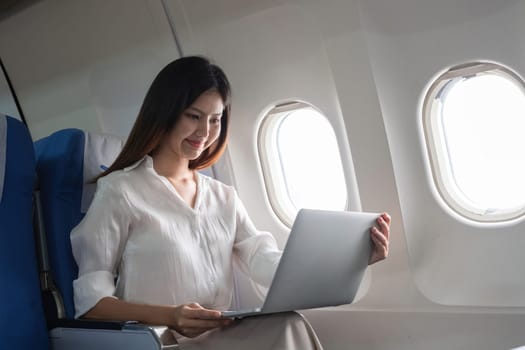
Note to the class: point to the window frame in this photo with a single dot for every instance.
(440, 165)
(268, 152)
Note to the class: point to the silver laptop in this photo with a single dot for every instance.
(323, 262)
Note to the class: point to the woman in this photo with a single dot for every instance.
(170, 233)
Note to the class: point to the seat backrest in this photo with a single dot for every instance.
(67, 161)
(22, 322)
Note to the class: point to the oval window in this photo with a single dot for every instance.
(300, 161)
(474, 119)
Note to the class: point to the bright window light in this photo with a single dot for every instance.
(477, 123)
(301, 161)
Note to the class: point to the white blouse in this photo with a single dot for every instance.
(141, 242)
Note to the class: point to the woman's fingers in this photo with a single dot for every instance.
(386, 217)
(384, 224)
(380, 238)
(194, 310)
(380, 241)
(193, 320)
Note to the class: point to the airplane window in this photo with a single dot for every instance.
(300, 161)
(474, 123)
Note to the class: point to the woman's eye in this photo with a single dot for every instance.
(215, 121)
(192, 116)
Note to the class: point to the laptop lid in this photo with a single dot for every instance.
(324, 260)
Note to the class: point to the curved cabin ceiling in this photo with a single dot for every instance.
(10, 7)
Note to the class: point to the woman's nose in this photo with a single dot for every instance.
(204, 128)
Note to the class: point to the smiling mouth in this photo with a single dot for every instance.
(195, 144)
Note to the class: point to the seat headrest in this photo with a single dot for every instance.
(100, 150)
(3, 147)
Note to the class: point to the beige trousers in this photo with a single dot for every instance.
(288, 330)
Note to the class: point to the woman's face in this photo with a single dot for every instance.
(197, 128)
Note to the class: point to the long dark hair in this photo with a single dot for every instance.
(173, 90)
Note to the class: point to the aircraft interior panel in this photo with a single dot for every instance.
(450, 281)
(409, 55)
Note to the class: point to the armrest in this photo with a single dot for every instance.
(90, 324)
(66, 334)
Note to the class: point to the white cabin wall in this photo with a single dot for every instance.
(85, 64)
(454, 261)
(345, 43)
(324, 52)
(373, 69)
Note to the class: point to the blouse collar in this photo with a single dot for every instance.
(147, 160)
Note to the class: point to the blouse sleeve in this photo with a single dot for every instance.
(257, 250)
(98, 242)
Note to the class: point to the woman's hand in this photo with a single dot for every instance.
(380, 238)
(191, 320)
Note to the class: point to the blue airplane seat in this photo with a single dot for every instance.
(60, 179)
(67, 161)
(66, 192)
(22, 322)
